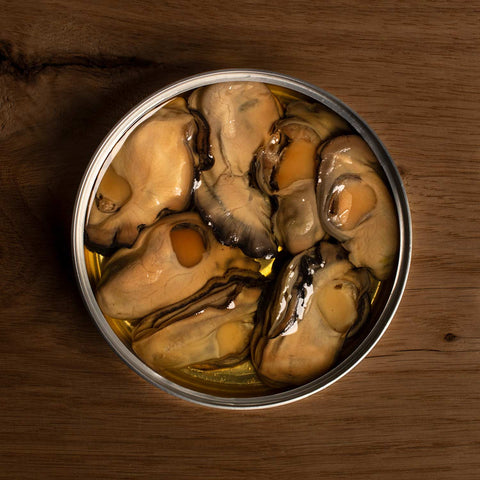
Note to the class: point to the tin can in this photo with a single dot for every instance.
(386, 306)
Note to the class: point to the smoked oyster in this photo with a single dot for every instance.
(286, 168)
(138, 185)
(355, 205)
(212, 332)
(175, 259)
(239, 117)
(317, 298)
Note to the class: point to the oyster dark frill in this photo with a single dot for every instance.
(355, 205)
(286, 169)
(138, 185)
(239, 116)
(317, 299)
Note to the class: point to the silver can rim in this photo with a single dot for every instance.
(134, 116)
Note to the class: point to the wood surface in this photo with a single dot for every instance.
(70, 408)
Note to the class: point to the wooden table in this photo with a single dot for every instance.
(70, 408)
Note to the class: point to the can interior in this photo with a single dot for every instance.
(240, 381)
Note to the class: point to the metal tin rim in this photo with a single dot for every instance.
(134, 116)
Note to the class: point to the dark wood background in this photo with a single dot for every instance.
(69, 408)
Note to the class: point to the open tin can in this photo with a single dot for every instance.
(237, 388)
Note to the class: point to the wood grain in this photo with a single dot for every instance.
(70, 408)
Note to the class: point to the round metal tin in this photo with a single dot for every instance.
(98, 165)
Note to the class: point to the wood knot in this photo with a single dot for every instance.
(450, 337)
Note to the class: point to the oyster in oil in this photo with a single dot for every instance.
(355, 205)
(286, 168)
(175, 259)
(213, 332)
(239, 117)
(139, 185)
(317, 298)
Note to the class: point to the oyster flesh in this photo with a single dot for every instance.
(239, 116)
(138, 185)
(355, 205)
(286, 168)
(212, 332)
(317, 298)
(176, 258)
